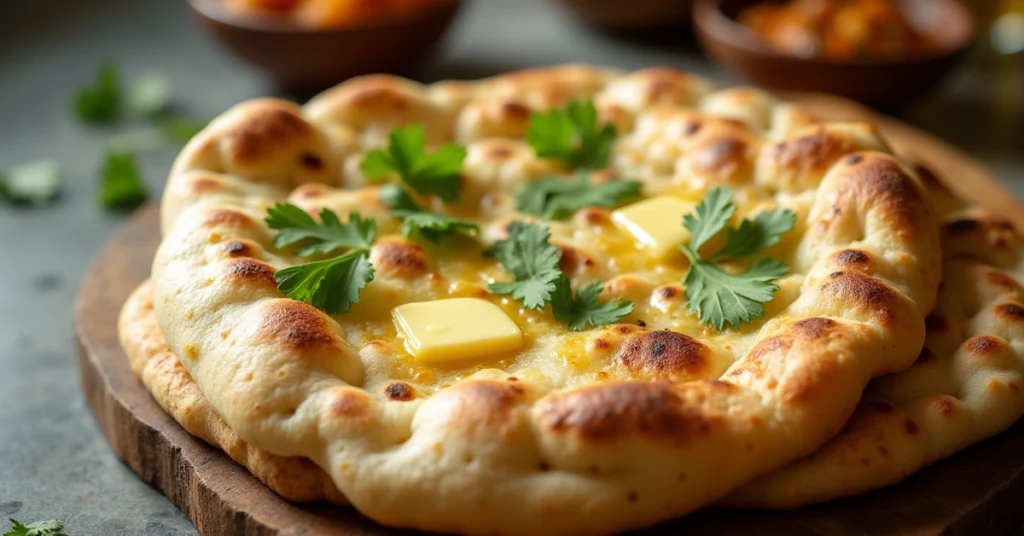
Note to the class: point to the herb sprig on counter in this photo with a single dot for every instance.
(436, 173)
(718, 296)
(533, 261)
(34, 183)
(39, 528)
(572, 135)
(331, 285)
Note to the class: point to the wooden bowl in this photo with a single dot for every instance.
(874, 81)
(310, 59)
(632, 16)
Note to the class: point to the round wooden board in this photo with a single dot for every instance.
(976, 492)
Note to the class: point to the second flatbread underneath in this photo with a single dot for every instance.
(964, 388)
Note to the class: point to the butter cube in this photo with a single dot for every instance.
(457, 328)
(656, 223)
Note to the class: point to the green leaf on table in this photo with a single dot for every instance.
(39, 528)
(149, 95)
(99, 103)
(121, 186)
(35, 183)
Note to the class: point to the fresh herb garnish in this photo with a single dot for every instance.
(294, 225)
(121, 186)
(331, 285)
(149, 95)
(415, 220)
(585, 307)
(715, 295)
(35, 183)
(39, 528)
(555, 198)
(436, 173)
(99, 103)
(182, 129)
(533, 262)
(572, 136)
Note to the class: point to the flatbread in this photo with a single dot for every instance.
(964, 387)
(613, 428)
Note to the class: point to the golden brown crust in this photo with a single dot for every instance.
(473, 449)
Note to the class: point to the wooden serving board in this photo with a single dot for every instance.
(979, 491)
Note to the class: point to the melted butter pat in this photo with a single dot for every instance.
(656, 223)
(454, 329)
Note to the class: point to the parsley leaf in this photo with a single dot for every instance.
(756, 234)
(585, 307)
(554, 198)
(715, 295)
(39, 528)
(432, 225)
(713, 212)
(436, 173)
(719, 297)
(331, 285)
(294, 225)
(572, 136)
(35, 183)
(532, 260)
(121, 186)
(99, 103)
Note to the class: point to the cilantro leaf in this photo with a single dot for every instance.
(718, 297)
(585, 307)
(331, 285)
(121, 185)
(753, 235)
(39, 528)
(572, 135)
(436, 173)
(35, 183)
(431, 225)
(713, 212)
(395, 197)
(532, 260)
(294, 225)
(99, 103)
(554, 198)
(149, 95)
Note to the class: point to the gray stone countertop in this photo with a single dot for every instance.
(54, 463)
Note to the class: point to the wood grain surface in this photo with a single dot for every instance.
(979, 491)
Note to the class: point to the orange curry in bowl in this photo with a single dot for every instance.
(321, 14)
(840, 30)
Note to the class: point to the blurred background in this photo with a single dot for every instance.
(175, 73)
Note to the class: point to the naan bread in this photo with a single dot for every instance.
(613, 428)
(964, 387)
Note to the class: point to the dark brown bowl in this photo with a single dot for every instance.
(311, 59)
(878, 82)
(632, 16)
